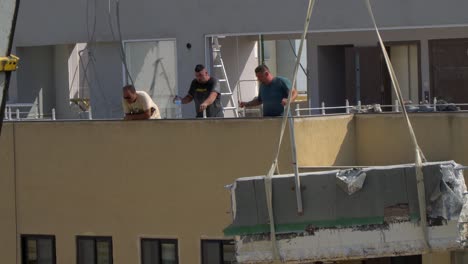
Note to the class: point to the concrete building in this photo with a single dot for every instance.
(146, 192)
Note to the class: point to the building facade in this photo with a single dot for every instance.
(76, 54)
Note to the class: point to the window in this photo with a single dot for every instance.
(459, 256)
(218, 252)
(94, 250)
(152, 65)
(159, 251)
(38, 249)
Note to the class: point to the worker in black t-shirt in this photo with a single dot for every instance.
(205, 91)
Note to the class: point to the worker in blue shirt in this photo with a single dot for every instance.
(273, 92)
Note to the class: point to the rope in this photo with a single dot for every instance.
(419, 156)
(274, 165)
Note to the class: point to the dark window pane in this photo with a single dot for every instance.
(460, 257)
(150, 251)
(45, 251)
(211, 252)
(37, 249)
(86, 251)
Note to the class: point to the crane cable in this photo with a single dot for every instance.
(274, 165)
(419, 156)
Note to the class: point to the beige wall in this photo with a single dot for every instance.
(325, 141)
(166, 179)
(126, 180)
(7, 196)
(385, 141)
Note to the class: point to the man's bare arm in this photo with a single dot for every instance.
(208, 101)
(252, 103)
(142, 116)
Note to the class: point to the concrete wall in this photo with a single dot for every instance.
(335, 147)
(69, 24)
(8, 242)
(106, 81)
(385, 141)
(165, 178)
(129, 180)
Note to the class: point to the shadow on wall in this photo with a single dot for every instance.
(325, 141)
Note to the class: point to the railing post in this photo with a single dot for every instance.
(9, 113)
(347, 106)
(298, 110)
(6, 113)
(90, 114)
(359, 106)
(18, 114)
(323, 108)
(37, 111)
(397, 106)
(435, 104)
(53, 113)
(204, 113)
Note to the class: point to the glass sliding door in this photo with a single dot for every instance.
(152, 66)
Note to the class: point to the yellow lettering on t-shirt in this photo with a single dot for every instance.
(200, 90)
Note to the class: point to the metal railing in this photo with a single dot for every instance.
(13, 111)
(377, 108)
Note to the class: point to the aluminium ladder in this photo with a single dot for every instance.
(220, 72)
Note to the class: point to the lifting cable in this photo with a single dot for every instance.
(274, 165)
(419, 156)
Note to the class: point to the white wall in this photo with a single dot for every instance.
(63, 107)
(405, 63)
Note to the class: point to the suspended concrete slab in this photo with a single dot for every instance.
(353, 214)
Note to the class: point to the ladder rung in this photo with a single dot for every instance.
(216, 50)
(226, 93)
(229, 108)
(222, 80)
(218, 66)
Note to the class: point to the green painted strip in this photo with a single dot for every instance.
(301, 227)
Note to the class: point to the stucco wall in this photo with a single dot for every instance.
(174, 18)
(325, 141)
(7, 196)
(385, 141)
(165, 179)
(126, 180)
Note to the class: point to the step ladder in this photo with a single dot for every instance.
(224, 86)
